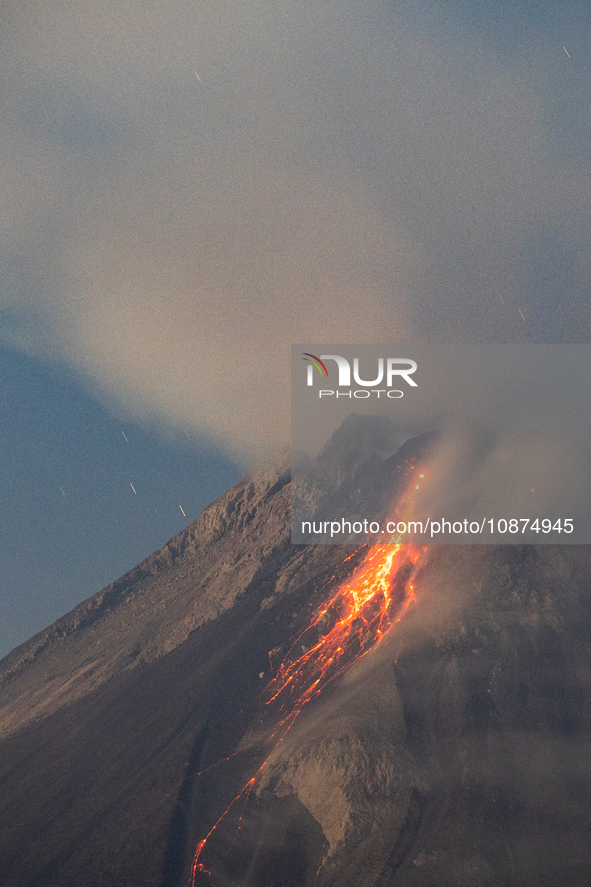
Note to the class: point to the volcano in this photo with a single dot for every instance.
(150, 737)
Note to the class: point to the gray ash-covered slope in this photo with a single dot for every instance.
(235, 544)
(457, 752)
(358, 474)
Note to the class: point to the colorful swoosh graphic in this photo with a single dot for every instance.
(315, 361)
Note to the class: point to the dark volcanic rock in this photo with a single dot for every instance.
(456, 753)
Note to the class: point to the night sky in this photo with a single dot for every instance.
(71, 521)
(188, 188)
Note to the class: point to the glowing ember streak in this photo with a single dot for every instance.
(354, 621)
(196, 866)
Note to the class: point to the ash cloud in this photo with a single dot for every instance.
(529, 474)
(190, 188)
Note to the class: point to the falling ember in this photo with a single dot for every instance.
(342, 629)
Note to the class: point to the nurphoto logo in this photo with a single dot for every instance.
(396, 368)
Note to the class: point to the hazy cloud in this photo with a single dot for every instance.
(189, 188)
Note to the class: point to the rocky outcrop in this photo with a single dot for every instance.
(350, 765)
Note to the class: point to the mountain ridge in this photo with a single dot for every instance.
(455, 752)
(253, 501)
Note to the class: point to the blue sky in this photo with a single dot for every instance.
(190, 187)
(71, 521)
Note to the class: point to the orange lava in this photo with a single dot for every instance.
(348, 625)
(344, 628)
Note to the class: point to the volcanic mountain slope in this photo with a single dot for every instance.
(458, 751)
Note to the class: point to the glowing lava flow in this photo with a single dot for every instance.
(344, 628)
(347, 626)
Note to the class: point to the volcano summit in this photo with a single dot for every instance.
(367, 718)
